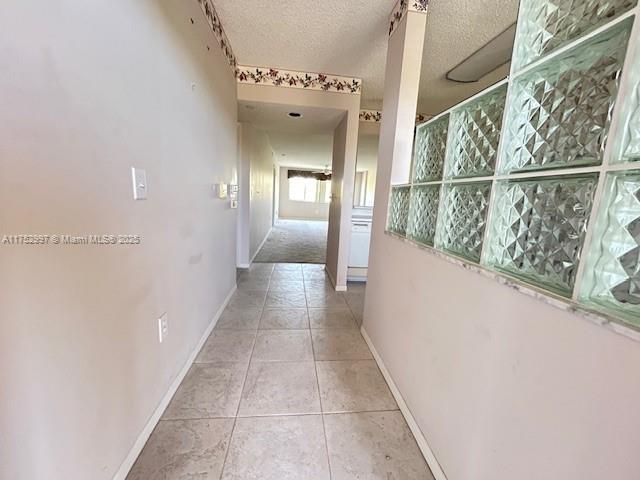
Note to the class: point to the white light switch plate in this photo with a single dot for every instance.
(222, 190)
(139, 178)
(163, 327)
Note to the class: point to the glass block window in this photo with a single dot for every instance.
(544, 197)
(538, 227)
(612, 276)
(399, 210)
(423, 213)
(475, 133)
(429, 150)
(628, 141)
(462, 218)
(559, 113)
(545, 25)
(631, 129)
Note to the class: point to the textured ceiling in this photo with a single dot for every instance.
(350, 38)
(456, 29)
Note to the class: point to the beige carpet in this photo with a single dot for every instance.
(295, 241)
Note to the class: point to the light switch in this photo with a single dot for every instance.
(139, 178)
(221, 190)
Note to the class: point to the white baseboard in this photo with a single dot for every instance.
(264, 240)
(126, 466)
(435, 467)
(338, 288)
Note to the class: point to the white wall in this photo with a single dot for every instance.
(502, 385)
(368, 138)
(293, 209)
(345, 148)
(256, 185)
(89, 89)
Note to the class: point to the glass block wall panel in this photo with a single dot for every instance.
(475, 134)
(462, 218)
(631, 150)
(559, 114)
(546, 25)
(430, 149)
(423, 213)
(399, 210)
(612, 277)
(538, 227)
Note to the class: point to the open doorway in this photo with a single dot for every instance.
(297, 145)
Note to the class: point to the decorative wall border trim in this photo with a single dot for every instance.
(375, 116)
(305, 80)
(370, 116)
(401, 8)
(214, 22)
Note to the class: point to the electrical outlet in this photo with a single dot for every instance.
(163, 327)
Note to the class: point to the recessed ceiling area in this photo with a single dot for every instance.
(302, 150)
(350, 38)
(306, 141)
(275, 118)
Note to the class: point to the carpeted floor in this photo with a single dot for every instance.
(295, 241)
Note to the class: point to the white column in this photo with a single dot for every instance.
(402, 83)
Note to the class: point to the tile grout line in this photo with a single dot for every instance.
(246, 375)
(271, 415)
(315, 366)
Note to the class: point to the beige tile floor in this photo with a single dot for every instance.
(284, 388)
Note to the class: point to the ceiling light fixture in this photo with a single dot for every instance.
(486, 59)
(294, 115)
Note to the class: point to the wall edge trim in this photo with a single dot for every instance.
(146, 432)
(426, 450)
(338, 288)
(280, 77)
(375, 116)
(400, 10)
(213, 19)
(264, 240)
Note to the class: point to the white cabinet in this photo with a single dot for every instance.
(360, 238)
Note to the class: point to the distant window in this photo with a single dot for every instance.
(309, 190)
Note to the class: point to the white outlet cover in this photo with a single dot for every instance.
(139, 178)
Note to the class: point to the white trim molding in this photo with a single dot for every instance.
(140, 442)
(401, 8)
(370, 116)
(214, 22)
(264, 240)
(292, 79)
(428, 454)
(375, 116)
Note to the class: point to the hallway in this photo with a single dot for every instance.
(284, 388)
(295, 241)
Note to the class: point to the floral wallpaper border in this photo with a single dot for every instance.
(214, 22)
(402, 7)
(287, 78)
(372, 116)
(375, 116)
